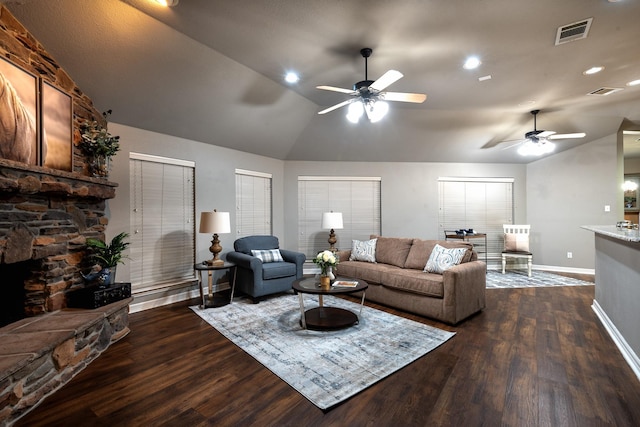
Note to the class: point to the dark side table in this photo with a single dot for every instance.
(203, 268)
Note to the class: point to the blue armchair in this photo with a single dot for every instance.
(257, 278)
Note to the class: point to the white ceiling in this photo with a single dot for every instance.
(212, 71)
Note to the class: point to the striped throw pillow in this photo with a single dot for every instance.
(267, 255)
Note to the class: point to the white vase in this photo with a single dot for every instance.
(330, 273)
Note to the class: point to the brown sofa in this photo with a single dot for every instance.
(397, 279)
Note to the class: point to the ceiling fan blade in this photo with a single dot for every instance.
(387, 79)
(337, 89)
(568, 135)
(513, 142)
(545, 134)
(404, 97)
(335, 107)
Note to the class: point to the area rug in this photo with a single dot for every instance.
(325, 367)
(519, 279)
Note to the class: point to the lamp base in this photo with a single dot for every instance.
(215, 262)
(332, 241)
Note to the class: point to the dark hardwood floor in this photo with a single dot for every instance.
(534, 357)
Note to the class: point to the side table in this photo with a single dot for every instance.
(203, 267)
(466, 237)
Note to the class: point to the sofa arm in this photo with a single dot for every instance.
(344, 255)
(464, 289)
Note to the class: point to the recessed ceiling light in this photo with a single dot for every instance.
(527, 103)
(291, 77)
(634, 83)
(483, 78)
(472, 63)
(593, 70)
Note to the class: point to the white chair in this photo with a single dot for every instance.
(516, 244)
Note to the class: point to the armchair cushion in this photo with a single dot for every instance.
(267, 255)
(273, 270)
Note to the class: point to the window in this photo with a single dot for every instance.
(162, 239)
(483, 204)
(358, 198)
(253, 203)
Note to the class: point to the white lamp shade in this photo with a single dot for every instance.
(332, 220)
(215, 222)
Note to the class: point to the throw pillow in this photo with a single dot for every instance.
(363, 250)
(268, 255)
(516, 242)
(442, 259)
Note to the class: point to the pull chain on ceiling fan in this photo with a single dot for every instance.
(369, 96)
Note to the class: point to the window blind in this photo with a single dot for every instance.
(162, 239)
(253, 203)
(482, 204)
(358, 198)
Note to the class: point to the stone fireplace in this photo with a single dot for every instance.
(45, 219)
(46, 215)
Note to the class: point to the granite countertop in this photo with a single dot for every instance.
(612, 231)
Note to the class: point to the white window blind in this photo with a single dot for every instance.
(162, 239)
(483, 204)
(358, 198)
(253, 203)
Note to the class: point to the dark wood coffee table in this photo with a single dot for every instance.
(324, 318)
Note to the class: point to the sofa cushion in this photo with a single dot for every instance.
(267, 255)
(367, 271)
(414, 281)
(442, 258)
(393, 250)
(274, 270)
(363, 250)
(421, 251)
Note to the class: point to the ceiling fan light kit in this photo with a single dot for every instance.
(369, 96)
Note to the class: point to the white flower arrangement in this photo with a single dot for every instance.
(324, 260)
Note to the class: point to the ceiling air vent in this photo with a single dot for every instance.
(576, 31)
(604, 91)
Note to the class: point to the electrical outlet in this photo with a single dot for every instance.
(569, 254)
(607, 208)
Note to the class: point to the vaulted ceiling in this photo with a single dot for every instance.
(212, 71)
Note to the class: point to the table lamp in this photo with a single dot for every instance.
(332, 220)
(215, 222)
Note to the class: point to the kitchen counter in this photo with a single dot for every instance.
(617, 290)
(612, 231)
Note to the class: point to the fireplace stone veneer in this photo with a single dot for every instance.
(46, 216)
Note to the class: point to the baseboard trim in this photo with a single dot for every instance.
(559, 269)
(165, 300)
(627, 352)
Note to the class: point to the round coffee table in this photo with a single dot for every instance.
(324, 318)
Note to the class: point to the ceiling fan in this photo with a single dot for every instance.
(538, 141)
(369, 97)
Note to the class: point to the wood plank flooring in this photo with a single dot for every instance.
(533, 357)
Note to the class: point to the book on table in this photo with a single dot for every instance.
(345, 284)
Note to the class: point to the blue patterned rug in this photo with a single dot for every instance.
(325, 367)
(519, 279)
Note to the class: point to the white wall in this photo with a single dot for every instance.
(566, 191)
(215, 182)
(556, 195)
(409, 191)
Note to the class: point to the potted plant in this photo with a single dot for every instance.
(107, 256)
(98, 145)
